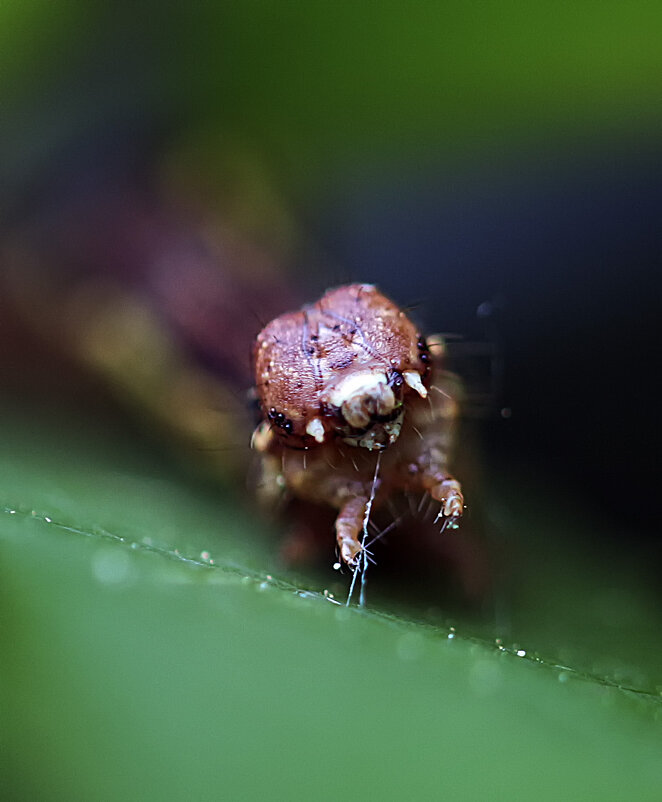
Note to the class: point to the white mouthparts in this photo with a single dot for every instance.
(413, 379)
(316, 429)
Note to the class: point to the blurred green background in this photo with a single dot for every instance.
(152, 644)
(322, 87)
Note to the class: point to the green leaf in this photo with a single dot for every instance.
(146, 654)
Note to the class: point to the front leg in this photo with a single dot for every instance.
(435, 422)
(445, 489)
(349, 526)
(312, 476)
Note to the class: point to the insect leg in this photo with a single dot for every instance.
(436, 425)
(349, 527)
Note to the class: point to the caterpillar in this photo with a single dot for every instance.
(355, 407)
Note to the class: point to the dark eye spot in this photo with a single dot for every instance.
(279, 420)
(425, 358)
(422, 344)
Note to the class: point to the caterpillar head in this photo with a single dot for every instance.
(343, 367)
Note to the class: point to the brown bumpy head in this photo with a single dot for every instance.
(342, 367)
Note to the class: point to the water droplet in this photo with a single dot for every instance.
(205, 555)
(521, 653)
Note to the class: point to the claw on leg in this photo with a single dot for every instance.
(449, 493)
(349, 527)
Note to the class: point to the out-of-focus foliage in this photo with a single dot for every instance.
(319, 84)
(358, 80)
